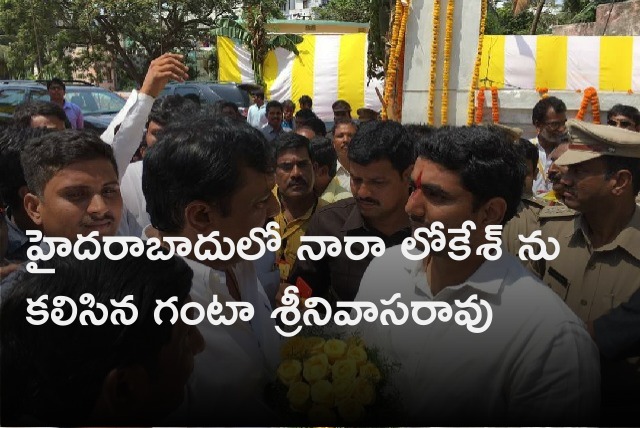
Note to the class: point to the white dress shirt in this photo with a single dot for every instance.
(238, 360)
(536, 364)
(542, 184)
(343, 176)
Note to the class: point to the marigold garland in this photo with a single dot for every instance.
(495, 110)
(448, 33)
(434, 59)
(400, 54)
(396, 56)
(391, 66)
(476, 69)
(595, 107)
(590, 96)
(480, 106)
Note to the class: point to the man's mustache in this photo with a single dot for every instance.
(297, 182)
(368, 201)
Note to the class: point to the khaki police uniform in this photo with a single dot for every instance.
(524, 222)
(592, 281)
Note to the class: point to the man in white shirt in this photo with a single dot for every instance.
(535, 364)
(549, 117)
(257, 113)
(342, 134)
(221, 180)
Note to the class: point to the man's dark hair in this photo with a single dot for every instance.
(379, 140)
(306, 99)
(273, 104)
(528, 150)
(419, 130)
(342, 105)
(288, 103)
(542, 106)
(305, 115)
(614, 164)
(53, 374)
(25, 111)
(627, 111)
(188, 164)
(489, 164)
(56, 81)
(258, 93)
(343, 121)
(12, 143)
(325, 154)
(290, 141)
(317, 126)
(165, 109)
(43, 157)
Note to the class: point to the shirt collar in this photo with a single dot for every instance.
(627, 239)
(354, 220)
(488, 278)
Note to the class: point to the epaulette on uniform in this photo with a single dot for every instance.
(538, 202)
(556, 211)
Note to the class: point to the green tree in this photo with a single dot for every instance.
(345, 10)
(131, 33)
(253, 34)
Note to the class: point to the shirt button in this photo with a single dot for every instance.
(583, 302)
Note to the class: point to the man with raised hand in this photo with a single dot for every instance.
(517, 355)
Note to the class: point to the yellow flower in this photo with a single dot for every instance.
(298, 396)
(293, 348)
(316, 368)
(350, 410)
(335, 349)
(342, 387)
(355, 341)
(358, 354)
(322, 415)
(314, 345)
(370, 372)
(345, 369)
(322, 393)
(363, 391)
(289, 371)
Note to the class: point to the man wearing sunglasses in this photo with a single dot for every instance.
(549, 117)
(627, 117)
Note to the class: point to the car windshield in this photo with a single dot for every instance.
(232, 93)
(95, 100)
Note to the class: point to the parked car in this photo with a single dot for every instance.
(98, 105)
(210, 92)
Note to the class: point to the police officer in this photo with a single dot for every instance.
(598, 267)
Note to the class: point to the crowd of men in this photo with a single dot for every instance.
(564, 344)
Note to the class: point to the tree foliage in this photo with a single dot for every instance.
(345, 10)
(56, 36)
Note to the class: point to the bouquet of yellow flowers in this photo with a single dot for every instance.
(331, 380)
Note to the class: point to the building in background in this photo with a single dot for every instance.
(300, 9)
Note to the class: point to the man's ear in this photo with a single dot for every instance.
(623, 180)
(32, 206)
(492, 212)
(321, 171)
(122, 392)
(201, 216)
